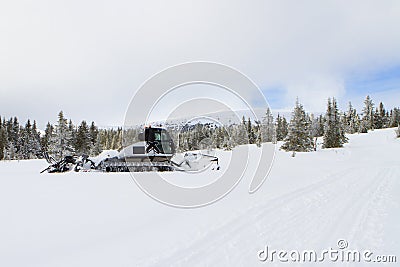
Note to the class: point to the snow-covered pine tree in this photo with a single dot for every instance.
(199, 135)
(13, 143)
(15, 140)
(334, 130)
(35, 142)
(368, 115)
(93, 132)
(11, 152)
(398, 131)
(317, 126)
(183, 144)
(314, 130)
(363, 127)
(111, 139)
(251, 132)
(120, 136)
(83, 143)
(192, 141)
(227, 143)
(258, 132)
(3, 138)
(231, 143)
(7, 126)
(342, 126)
(242, 133)
(30, 141)
(281, 128)
(117, 139)
(352, 120)
(217, 138)
(221, 136)
(45, 140)
(299, 135)
(321, 125)
(102, 138)
(380, 117)
(12, 137)
(21, 143)
(26, 149)
(233, 132)
(59, 144)
(267, 127)
(384, 115)
(394, 117)
(96, 148)
(72, 131)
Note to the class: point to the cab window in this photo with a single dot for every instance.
(157, 136)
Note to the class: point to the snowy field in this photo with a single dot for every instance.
(104, 219)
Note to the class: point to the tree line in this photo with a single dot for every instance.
(304, 129)
(18, 141)
(24, 141)
(299, 134)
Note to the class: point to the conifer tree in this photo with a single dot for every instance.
(333, 131)
(83, 143)
(281, 128)
(352, 120)
(317, 126)
(26, 149)
(3, 139)
(394, 117)
(96, 149)
(258, 133)
(250, 132)
(15, 136)
(72, 132)
(35, 142)
(267, 127)
(45, 140)
(368, 115)
(93, 132)
(242, 133)
(380, 117)
(299, 135)
(218, 137)
(60, 141)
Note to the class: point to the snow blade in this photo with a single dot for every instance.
(196, 162)
(61, 166)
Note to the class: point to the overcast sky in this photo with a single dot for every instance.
(87, 58)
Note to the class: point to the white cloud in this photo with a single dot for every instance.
(82, 56)
(313, 91)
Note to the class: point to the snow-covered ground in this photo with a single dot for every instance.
(103, 219)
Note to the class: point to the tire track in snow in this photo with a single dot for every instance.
(350, 211)
(304, 201)
(368, 230)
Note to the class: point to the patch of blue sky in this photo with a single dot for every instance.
(275, 96)
(387, 79)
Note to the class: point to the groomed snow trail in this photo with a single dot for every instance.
(339, 206)
(350, 204)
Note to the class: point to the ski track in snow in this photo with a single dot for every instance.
(311, 206)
